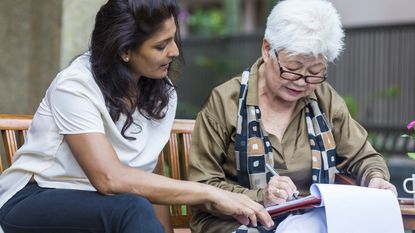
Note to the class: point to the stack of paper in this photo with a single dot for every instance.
(350, 208)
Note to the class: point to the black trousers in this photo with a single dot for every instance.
(42, 210)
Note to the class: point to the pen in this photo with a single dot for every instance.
(275, 173)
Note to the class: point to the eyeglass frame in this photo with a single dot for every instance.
(300, 76)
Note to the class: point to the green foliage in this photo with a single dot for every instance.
(406, 136)
(220, 69)
(392, 91)
(187, 110)
(410, 126)
(387, 93)
(207, 22)
(220, 65)
(352, 105)
(411, 155)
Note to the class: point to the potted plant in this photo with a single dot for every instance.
(411, 126)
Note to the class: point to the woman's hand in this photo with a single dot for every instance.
(380, 183)
(241, 207)
(279, 190)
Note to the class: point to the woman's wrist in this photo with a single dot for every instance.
(372, 175)
(210, 194)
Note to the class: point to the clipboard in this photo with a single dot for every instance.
(303, 203)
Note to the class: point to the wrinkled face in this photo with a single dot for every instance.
(291, 90)
(153, 58)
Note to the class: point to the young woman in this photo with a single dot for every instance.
(95, 139)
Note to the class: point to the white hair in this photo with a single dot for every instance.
(309, 27)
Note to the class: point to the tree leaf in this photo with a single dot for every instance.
(411, 155)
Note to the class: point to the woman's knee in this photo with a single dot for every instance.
(137, 213)
(134, 202)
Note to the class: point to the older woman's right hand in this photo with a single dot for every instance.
(241, 207)
(279, 190)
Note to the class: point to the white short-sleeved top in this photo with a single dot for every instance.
(74, 104)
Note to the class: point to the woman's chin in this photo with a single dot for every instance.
(158, 75)
(290, 98)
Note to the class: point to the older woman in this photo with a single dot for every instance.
(87, 164)
(282, 113)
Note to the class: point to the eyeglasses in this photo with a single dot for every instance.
(292, 76)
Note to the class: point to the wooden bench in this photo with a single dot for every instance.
(174, 157)
(13, 129)
(174, 160)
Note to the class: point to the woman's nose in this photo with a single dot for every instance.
(301, 81)
(173, 50)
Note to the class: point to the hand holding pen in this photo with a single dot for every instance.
(279, 189)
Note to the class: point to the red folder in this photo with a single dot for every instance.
(303, 203)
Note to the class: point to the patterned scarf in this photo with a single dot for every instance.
(252, 145)
(323, 146)
(253, 148)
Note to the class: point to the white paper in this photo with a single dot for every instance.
(357, 209)
(309, 222)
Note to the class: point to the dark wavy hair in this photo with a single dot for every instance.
(121, 25)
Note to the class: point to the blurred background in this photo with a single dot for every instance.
(375, 74)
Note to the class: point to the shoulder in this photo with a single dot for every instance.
(325, 90)
(227, 90)
(224, 95)
(222, 104)
(79, 70)
(330, 100)
(77, 78)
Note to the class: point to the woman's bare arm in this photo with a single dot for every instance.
(108, 175)
(163, 211)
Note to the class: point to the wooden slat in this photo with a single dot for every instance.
(13, 130)
(1, 163)
(15, 122)
(183, 126)
(177, 162)
(187, 137)
(173, 157)
(10, 145)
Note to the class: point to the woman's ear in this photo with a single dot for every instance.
(125, 56)
(266, 47)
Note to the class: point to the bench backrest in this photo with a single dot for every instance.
(174, 156)
(13, 129)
